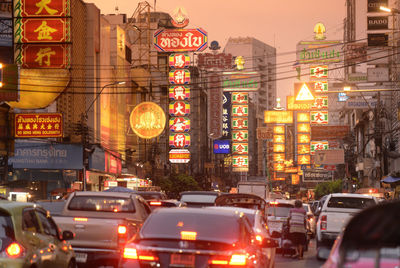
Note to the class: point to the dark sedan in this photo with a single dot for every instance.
(194, 237)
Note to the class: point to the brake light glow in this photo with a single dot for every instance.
(186, 235)
(259, 239)
(273, 203)
(81, 219)
(14, 250)
(324, 220)
(155, 203)
(122, 229)
(219, 262)
(147, 258)
(238, 259)
(130, 253)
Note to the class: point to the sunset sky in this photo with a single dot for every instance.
(281, 23)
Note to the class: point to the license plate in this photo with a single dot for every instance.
(81, 257)
(182, 259)
(275, 225)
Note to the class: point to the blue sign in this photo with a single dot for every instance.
(222, 147)
(342, 96)
(226, 116)
(45, 155)
(97, 160)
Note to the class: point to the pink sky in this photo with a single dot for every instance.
(279, 23)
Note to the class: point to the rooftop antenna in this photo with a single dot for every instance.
(155, 2)
(116, 6)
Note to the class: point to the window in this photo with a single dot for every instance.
(101, 203)
(49, 227)
(29, 221)
(350, 202)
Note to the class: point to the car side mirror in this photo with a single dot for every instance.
(269, 243)
(67, 235)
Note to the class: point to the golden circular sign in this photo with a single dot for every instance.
(147, 120)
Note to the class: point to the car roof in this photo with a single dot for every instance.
(283, 201)
(204, 210)
(351, 195)
(107, 194)
(239, 209)
(201, 192)
(10, 206)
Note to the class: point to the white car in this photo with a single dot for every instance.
(335, 212)
(310, 219)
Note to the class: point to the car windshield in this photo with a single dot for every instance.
(224, 228)
(101, 204)
(280, 210)
(350, 202)
(198, 198)
(151, 196)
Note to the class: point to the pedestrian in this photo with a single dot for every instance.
(297, 222)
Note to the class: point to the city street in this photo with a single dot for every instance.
(309, 261)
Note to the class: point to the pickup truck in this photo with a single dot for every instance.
(102, 223)
(334, 213)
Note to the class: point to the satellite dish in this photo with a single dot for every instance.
(214, 45)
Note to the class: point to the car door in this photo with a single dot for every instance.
(56, 247)
(36, 246)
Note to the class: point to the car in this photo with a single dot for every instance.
(260, 228)
(30, 238)
(311, 223)
(155, 204)
(370, 239)
(194, 237)
(336, 211)
(199, 198)
(278, 213)
(152, 195)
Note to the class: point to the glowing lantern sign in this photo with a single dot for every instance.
(240, 110)
(321, 86)
(318, 145)
(279, 148)
(279, 157)
(303, 117)
(240, 135)
(240, 148)
(179, 61)
(319, 117)
(180, 76)
(179, 124)
(320, 103)
(279, 129)
(303, 149)
(303, 138)
(240, 123)
(179, 108)
(303, 93)
(279, 138)
(179, 140)
(303, 128)
(147, 120)
(179, 92)
(240, 97)
(173, 40)
(319, 72)
(304, 160)
(278, 117)
(240, 161)
(279, 167)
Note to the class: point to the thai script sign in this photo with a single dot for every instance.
(264, 133)
(219, 61)
(177, 40)
(316, 175)
(180, 92)
(215, 99)
(241, 81)
(179, 60)
(361, 103)
(45, 125)
(319, 52)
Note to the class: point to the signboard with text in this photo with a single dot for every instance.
(317, 175)
(179, 40)
(43, 125)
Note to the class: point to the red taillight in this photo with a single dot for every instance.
(122, 230)
(130, 253)
(238, 259)
(273, 203)
(155, 203)
(259, 239)
(324, 219)
(14, 250)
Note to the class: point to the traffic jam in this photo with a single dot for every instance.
(121, 228)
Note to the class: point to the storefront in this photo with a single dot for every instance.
(42, 167)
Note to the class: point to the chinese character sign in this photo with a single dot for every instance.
(46, 125)
(179, 108)
(179, 60)
(42, 8)
(180, 76)
(320, 117)
(179, 124)
(179, 92)
(179, 140)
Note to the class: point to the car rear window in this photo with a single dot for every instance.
(6, 230)
(350, 202)
(151, 196)
(280, 210)
(198, 198)
(101, 204)
(217, 228)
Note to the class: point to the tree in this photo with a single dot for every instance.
(177, 183)
(328, 188)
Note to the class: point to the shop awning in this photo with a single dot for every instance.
(390, 179)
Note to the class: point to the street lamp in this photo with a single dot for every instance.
(87, 151)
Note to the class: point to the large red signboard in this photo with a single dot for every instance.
(45, 125)
(41, 8)
(45, 56)
(170, 40)
(35, 30)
